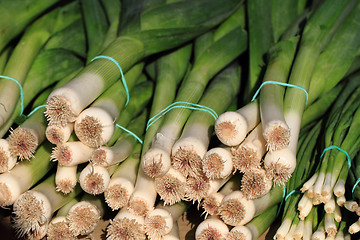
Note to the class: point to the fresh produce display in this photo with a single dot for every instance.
(240, 117)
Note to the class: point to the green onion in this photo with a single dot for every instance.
(156, 35)
(122, 181)
(24, 175)
(189, 150)
(170, 70)
(35, 207)
(156, 161)
(85, 215)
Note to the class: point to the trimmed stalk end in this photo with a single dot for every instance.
(255, 183)
(83, 217)
(117, 195)
(231, 128)
(23, 143)
(245, 158)
(171, 187)
(7, 162)
(124, 228)
(58, 111)
(187, 162)
(277, 136)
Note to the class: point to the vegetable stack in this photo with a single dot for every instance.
(235, 113)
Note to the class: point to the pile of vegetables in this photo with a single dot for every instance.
(242, 114)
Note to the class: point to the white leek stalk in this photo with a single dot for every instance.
(249, 153)
(161, 220)
(232, 127)
(255, 183)
(85, 215)
(239, 232)
(126, 225)
(59, 134)
(143, 198)
(212, 202)
(107, 156)
(217, 163)
(71, 153)
(7, 161)
(65, 178)
(59, 226)
(211, 228)
(94, 179)
(171, 186)
(122, 183)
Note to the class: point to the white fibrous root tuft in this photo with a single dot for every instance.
(94, 127)
(277, 136)
(126, 226)
(31, 211)
(171, 187)
(217, 163)
(155, 162)
(187, 162)
(23, 143)
(280, 165)
(83, 217)
(117, 195)
(245, 158)
(236, 210)
(59, 229)
(231, 128)
(196, 188)
(156, 224)
(138, 207)
(99, 156)
(211, 204)
(58, 134)
(239, 233)
(94, 179)
(211, 228)
(58, 111)
(7, 161)
(255, 183)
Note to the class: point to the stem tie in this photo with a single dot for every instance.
(35, 109)
(121, 73)
(281, 84)
(180, 104)
(341, 150)
(353, 188)
(21, 92)
(285, 198)
(131, 133)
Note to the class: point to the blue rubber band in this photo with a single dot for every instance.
(285, 198)
(131, 133)
(191, 106)
(353, 188)
(121, 73)
(35, 109)
(281, 84)
(21, 92)
(341, 150)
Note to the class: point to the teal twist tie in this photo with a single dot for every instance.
(341, 150)
(281, 84)
(21, 92)
(35, 109)
(131, 133)
(353, 188)
(191, 106)
(121, 73)
(285, 198)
